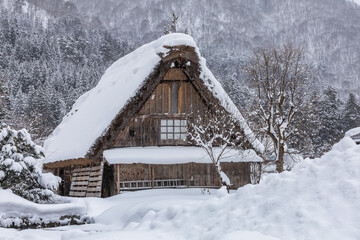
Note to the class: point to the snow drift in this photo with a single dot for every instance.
(318, 199)
(19, 212)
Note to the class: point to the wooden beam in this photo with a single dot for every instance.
(152, 176)
(68, 163)
(175, 74)
(187, 175)
(118, 178)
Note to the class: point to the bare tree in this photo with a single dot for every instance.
(216, 133)
(173, 28)
(280, 78)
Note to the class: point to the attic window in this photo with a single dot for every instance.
(173, 129)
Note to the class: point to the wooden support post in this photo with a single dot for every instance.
(152, 176)
(118, 178)
(187, 175)
(70, 173)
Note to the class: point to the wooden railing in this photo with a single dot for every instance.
(147, 184)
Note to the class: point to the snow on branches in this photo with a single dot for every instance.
(20, 167)
(215, 133)
(280, 78)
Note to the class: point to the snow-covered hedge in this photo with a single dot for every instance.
(17, 212)
(20, 167)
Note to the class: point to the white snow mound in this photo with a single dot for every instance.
(14, 208)
(318, 199)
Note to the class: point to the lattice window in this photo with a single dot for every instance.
(173, 129)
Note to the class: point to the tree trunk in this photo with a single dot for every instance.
(219, 173)
(221, 180)
(280, 161)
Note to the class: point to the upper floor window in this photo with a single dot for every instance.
(173, 129)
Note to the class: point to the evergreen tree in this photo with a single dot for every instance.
(329, 112)
(4, 101)
(351, 116)
(312, 139)
(46, 69)
(20, 170)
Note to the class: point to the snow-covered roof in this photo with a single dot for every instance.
(354, 133)
(174, 155)
(93, 112)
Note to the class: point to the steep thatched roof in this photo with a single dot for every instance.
(98, 115)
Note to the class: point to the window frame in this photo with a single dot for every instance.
(173, 129)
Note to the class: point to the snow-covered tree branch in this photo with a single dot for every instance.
(280, 78)
(216, 133)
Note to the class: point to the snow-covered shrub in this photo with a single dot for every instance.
(20, 167)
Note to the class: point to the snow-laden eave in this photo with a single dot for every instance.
(175, 155)
(128, 104)
(75, 109)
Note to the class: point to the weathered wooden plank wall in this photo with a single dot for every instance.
(195, 174)
(144, 129)
(86, 181)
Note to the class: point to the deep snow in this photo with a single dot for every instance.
(13, 208)
(318, 199)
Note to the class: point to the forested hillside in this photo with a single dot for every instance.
(46, 63)
(228, 31)
(52, 51)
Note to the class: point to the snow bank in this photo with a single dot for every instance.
(14, 209)
(173, 155)
(94, 111)
(318, 199)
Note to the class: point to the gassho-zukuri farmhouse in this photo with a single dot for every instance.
(130, 131)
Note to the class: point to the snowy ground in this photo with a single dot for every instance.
(318, 199)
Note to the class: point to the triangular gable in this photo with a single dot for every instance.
(164, 103)
(90, 126)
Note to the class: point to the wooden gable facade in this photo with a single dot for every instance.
(162, 120)
(156, 116)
